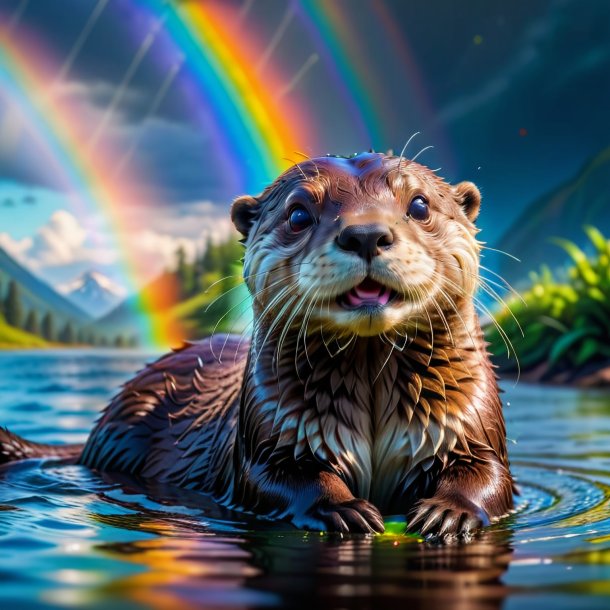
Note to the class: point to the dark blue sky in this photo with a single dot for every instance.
(514, 95)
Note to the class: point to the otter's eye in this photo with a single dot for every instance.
(419, 209)
(299, 218)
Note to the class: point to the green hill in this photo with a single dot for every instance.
(35, 294)
(16, 338)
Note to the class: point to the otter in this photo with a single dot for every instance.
(365, 388)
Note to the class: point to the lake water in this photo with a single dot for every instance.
(69, 537)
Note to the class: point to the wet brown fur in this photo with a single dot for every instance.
(326, 418)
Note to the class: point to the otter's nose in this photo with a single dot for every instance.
(365, 240)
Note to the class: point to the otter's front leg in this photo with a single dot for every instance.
(318, 501)
(467, 497)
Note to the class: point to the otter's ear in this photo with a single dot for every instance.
(469, 197)
(243, 213)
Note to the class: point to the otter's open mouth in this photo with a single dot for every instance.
(369, 293)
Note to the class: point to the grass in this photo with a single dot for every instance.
(11, 337)
(222, 307)
(566, 323)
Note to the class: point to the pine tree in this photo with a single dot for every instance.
(211, 260)
(184, 272)
(13, 311)
(48, 327)
(32, 324)
(67, 335)
(119, 341)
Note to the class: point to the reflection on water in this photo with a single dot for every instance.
(70, 537)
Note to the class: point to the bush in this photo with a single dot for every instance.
(566, 324)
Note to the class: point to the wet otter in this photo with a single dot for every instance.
(365, 389)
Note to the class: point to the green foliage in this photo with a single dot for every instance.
(67, 334)
(48, 327)
(32, 324)
(566, 323)
(211, 289)
(11, 337)
(13, 310)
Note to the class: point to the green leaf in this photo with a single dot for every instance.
(562, 345)
(580, 259)
(597, 239)
(589, 349)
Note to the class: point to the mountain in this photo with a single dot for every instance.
(94, 293)
(37, 295)
(581, 200)
(126, 319)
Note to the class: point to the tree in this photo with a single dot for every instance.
(212, 258)
(48, 327)
(32, 325)
(119, 341)
(67, 335)
(13, 311)
(184, 272)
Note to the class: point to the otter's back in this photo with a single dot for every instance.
(176, 420)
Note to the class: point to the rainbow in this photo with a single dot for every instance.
(26, 75)
(255, 134)
(260, 135)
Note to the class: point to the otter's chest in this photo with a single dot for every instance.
(383, 430)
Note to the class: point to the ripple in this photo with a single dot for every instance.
(69, 535)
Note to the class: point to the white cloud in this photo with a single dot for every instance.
(64, 244)
(62, 240)
(158, 249)
(17, 248)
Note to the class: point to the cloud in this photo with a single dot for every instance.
(158, 248)
(17, 248)
(61, 241)
(64, 243)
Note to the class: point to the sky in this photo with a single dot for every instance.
(512, 95)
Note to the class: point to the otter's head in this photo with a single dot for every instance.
(362, 245)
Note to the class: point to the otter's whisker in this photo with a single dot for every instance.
(423, 150)
(385, 362)
(484, 247)
(303, 330)
(246, 298)
(302, 154)
(404, 148)
(297, 166)
(275, 323)
(288, 323)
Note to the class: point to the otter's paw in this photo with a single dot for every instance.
(352, 516)
(447, 518)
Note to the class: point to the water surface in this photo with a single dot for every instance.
(70, 537)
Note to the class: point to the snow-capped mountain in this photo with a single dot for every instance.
(94, 293)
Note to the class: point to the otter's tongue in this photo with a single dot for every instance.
(368, 292)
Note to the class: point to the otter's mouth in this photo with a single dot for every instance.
(369, 293)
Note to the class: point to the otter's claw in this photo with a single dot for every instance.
(447, 518)
(353, 516)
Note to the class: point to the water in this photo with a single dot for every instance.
(70, 537)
